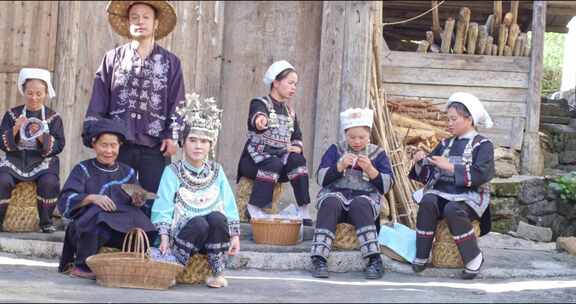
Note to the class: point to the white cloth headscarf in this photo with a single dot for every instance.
(34, 73)
(479, 114)
(275, 69)
(356, 117)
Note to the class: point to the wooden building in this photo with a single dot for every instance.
(225, 48)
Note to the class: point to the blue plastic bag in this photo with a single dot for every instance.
(400, 239)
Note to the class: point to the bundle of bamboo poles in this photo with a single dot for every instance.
(499, 36)
(402, 207)
(418, 122)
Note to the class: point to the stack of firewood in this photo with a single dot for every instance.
(499, 36)
(419, 124)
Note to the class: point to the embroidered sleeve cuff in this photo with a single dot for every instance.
(163, 228)
(47, 145)
(462, 175)
(8, 141)
(253, 119)
(234, 227)
(298, 143)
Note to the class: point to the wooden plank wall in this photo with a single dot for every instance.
(257, 33)
(501, 83)
(28, 36)
(197, 40)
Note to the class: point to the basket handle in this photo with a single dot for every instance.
(136, 241)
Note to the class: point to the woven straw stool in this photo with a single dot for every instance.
(108, 250)
(196, 271)
(444, 250)
(345, 237)
(243, 191)
(22, 213)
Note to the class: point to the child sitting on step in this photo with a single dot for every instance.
(195, 211)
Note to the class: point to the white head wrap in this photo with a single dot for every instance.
(479, 114)
(275, 69)
(356, 117)
(34, 73)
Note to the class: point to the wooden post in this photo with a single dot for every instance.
(472, 36)
(519, 46)
(502, 36)
(461, 28)
(513, 33)
(497, 19)
(436, 28)
(514, 10)
(329, 78)
(482, 36)
(488, 48)
(447, 35)
(531, 156)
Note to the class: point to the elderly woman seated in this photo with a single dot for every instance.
(101, 211)
(31, 136)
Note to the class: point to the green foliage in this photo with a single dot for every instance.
(553, 56)
(565, 186)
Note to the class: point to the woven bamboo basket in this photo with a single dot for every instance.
(243, 192)
(131, 268)
(345, 237)
(196, 271)
(276, 231)
(444, 250)
(22, 213)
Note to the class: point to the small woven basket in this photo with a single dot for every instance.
(346, 237)
(196, 271)
(276, 231)
(131, 268)
(22, 212)
(243, 192)
(444, 250)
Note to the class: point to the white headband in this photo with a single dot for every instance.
(273, 71)
(34, 73)
(474, 106)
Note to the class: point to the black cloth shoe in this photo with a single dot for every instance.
(319, 267)
(468, 274)
(308, 222)
(375, 269)
(48, 228)
(417, 268)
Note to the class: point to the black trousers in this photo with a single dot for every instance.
(149, 163)
(458, 215)
(270, 171)
(79, 246)
(47, 189)
(360, 215)
(207, 234)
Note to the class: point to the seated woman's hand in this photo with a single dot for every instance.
(346, 161)
(419, 155)
(294, 149)
(104, 202)
(164, 244)
(442, 163)
(234, 245)
(138, 199)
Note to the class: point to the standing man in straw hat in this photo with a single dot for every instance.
(140, 83)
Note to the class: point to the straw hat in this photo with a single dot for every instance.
(118, 17)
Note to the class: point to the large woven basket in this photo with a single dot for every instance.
(444, 250)
(131, 268)
(196, 271)
(22, 213)
(276, 231)
(243, 192)
(345, 237)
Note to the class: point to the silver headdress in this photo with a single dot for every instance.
(200, 117)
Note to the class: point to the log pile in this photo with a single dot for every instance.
(418, 123)
(499, 36)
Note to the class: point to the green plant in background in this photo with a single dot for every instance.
(553, 56)
(565, 186)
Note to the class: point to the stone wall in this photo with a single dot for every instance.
(529, 199)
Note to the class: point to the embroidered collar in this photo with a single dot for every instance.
(192, 168)
(468, 135)
(106, 168)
